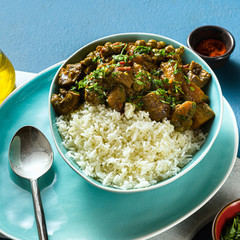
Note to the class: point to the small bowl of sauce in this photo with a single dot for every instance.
(212, 43)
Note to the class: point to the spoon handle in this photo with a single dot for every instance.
(38, 209)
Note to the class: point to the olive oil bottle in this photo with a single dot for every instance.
(7, 76)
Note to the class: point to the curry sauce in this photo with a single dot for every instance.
(150, 75)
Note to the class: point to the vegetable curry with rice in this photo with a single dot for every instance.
(150, 75)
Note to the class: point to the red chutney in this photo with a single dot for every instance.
(211, 48)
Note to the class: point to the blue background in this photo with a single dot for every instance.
(38, 34)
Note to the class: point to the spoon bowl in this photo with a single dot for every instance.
(31, 156)
(30, 153)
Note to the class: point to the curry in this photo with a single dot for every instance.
(150, 75)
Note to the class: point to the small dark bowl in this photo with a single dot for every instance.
(228, 212)
(215, 32)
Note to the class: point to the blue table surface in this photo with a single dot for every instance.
(37, 34)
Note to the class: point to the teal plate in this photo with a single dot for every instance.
(74, 208)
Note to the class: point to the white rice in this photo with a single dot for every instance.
(126, 150)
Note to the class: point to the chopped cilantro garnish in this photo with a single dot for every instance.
(101, 72)
(121, 57)
(83, 83)
(142, 49)
(160, 52)
(140, 82)
(177, 87)
(96, 59)
(74, 89)
(100, 90)
(155, 72)
(125, 45)
(166, 80)
(157, 83)
(171, 53)
(176, 69)
(192, 89)
(187, 79)
(160, 91)
(231, 230)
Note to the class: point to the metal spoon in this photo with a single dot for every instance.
(30, 156)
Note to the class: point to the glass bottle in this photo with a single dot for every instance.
(7, 76)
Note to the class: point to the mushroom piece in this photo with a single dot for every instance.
(65, 101)
(69, 75)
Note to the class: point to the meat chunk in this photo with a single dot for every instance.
(65, 101)
(136, 68)
(94, 92)
(182, 116)
(138, 59)
(69, 75)
(195, 68)
(117, 47)
(157, 109)
(146, 61)
(141, 80)
(200, 80)
(117, 98)
(172, 71)
(195, 79)
(123, 76)
(204, 77)
(192, 92)
(198, 75)
(202, 114)
(106, 50)
(92, 96)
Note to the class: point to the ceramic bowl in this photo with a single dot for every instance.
(213, 90)
(214, 32)
(227, 213)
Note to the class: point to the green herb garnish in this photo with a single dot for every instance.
(95, 60)
(172, 53)
(142, 49)
(155, 72)
(98, 89)
(177, 88)
(140, 82)
(176, 69)
(166, 80)
(160, 91)
(121, 57)
(160, 52)
(231, 230)
(192, 89)
(157, 83)
(187, 79)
